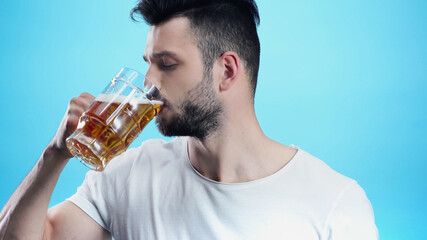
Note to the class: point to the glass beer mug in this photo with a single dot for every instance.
(113, 120)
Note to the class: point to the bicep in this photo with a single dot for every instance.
(68, 221)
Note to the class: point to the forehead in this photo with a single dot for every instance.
(172, 36)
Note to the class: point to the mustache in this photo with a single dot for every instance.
(164, 101)
(161, 98)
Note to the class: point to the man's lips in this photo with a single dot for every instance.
(165, 104)
(163, 108)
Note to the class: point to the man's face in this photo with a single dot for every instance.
(191, 107)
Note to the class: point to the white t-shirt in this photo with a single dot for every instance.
(153, 192)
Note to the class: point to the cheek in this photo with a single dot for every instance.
(178, 84)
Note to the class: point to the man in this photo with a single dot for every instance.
(222, 178)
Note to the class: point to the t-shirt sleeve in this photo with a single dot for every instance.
(90, 198)
(99, 195)
(352, 217)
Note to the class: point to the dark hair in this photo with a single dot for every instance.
(218, 26)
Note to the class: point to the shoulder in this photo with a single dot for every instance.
(102, 193)
(351, 216)
(347, 210)
(317, 172)
(325, 185)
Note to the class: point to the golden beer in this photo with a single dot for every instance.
(109, 126)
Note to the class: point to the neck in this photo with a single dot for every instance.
(238, 152)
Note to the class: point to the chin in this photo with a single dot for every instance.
(162, 121)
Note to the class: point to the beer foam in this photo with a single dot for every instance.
(120, 98)
(156, 102)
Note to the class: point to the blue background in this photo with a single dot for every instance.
(344, 80)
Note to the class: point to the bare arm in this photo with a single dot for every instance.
(67, 221)
(25, 215)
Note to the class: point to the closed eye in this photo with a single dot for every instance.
(164, 60)
(167, 67)
(167, 63)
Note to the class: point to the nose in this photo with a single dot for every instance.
(153, 93)
(152, 84)
(151, 79)
(147, 82)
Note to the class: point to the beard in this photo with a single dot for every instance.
(199, 115)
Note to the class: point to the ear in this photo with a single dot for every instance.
(230, 63)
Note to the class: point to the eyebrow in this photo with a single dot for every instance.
(161, 54)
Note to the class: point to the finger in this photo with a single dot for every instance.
(72, 123)
(87, 96)
(80, 102)
(75, 110)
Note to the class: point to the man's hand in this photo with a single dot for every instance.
(25, 214)
(76, 107)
